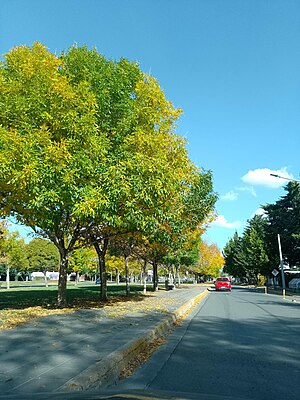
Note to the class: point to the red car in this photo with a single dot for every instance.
(223, 284)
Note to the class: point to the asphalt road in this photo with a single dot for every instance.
(241, 344)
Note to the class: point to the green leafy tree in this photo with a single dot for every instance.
(82, 261)
(123, 246)
(88, 151)
(247, 256)
(255, 248)
(42, 256)
(115, 266)
(256, 252)
(136, 120)
(149, 174)
(283, 218)
(50, 149)
(235, 263)
(12, 252)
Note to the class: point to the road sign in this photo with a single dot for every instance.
(275, 272)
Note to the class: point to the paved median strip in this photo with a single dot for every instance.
(113, 367)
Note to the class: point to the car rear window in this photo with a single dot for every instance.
(222, 279)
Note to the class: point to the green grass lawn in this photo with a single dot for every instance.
(21, 304)
(77, 296)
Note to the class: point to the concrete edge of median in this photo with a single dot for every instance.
(107, 371)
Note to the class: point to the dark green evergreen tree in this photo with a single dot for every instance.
(283, 218)
(235, 263)
(255, 248)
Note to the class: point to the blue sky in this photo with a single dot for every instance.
(232, 66)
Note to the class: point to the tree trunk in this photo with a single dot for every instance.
(144, 277)
(62, 281)
(178, 276)
(127, 276)
(155, 275)
(7, 278)
(45, 279)
(64, 252)
(101, 251)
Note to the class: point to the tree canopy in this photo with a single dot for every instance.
(284, 218)
(88, 150)
(42, 255)
(256, 251)
(13, 258)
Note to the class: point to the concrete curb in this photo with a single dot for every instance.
(107, 371)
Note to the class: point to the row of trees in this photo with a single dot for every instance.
(18, 260)
(89, 156)
(256, 252)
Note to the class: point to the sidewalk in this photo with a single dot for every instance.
(87, 349)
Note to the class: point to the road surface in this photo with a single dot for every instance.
(240, 344)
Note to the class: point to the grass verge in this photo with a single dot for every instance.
(20, 305)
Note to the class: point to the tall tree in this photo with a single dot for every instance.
(210, 261)
(50, 148)
(88, 149)
(42, 256)
(149, 174)
(283, 218)
(257, 252)
(248, 256)
(255, 248)
(12, 252)
(82, 261)
(235, 263)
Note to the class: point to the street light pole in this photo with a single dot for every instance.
(281, 266)
(283, 177)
